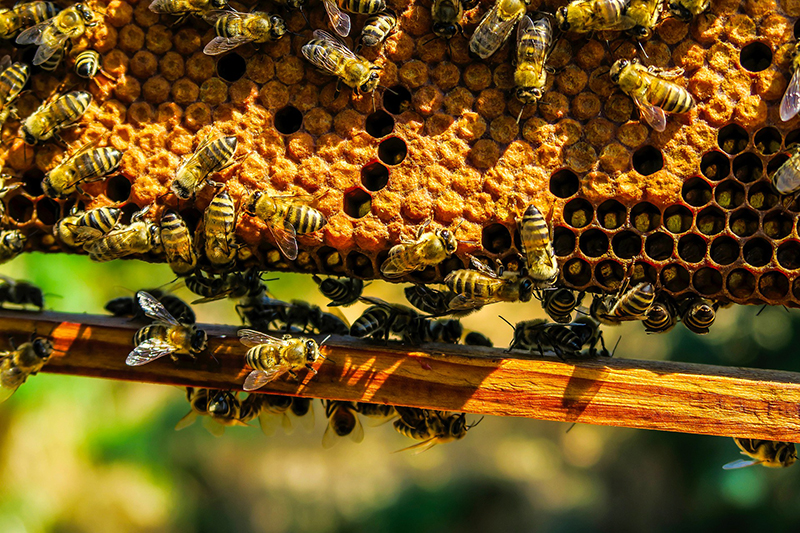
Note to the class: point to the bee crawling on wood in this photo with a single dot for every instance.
(765, 453)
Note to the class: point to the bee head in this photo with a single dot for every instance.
(85, 11)
(199, 341)
(525, 290)
(220, 404)
(250, 207)
(680, 12)
(278, 27)
(42, 348)
(617, 68)
(527, 95)
(14, 240)
(27, 136)
(372, 81)
(449, 240)
(447, 30)
(311, 351)
(457, 425)
(787, 455)
(561, 19)
(219, 4)
(640, 33)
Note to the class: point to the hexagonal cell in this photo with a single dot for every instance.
(128, 210)
(756, 57)
(768, 141)
(741, 283)
(626, 244)
(563, 241)
(496, 238)
(564, 183)
(609, 274)
(191, 217)
(724, 250)
(762, 196)
(710, 221)
(777, 225)
(231, 67)
(330, 260)
(577, 272)
(644, 273)
(732, 139)
(773, 285)
(757, 252)
(707, 281)
(379, 124)
(647, 160)
(32, 181)
(747, 167)
(357, 202)
(593, 243)
(578, 213)
(789, 255)
(47, 211)
(450, 264)
(611, 214)
(775, 163)
(396, 99)
(427, 275)
(677, 219)
(715, 165)
(691, 248)
(374, 176)
(645, 217)
(658, 246)
(20, 209)
(729, 194)
(288, 120)
(674, 278)
(792, 137)
(696, 192)
(118, 188)
(392, 151)
(359, 265)
(743, 222)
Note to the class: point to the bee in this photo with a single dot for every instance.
(534, 44)
(273, 411)
(382, 319)
(53, 34)
(429, 300)
(305, 314)
(139, 237)
(177, 242)
(540, 334)
(129, 306)
(222, 407)
(378, 27)
(234, 29)
(303, 409)
(589, 334)
(85, 166)
(631, 304)
(270, 357)
(560, 303)
(219, 229)
(645, 14)
(20, 292)
(476, 288)
(496, 26)
(328, 54)
(767, 453)
(81, 227)
(341, 291)
(230, 285)
(12, 80)
(787, 178)
(23, 361)
(429, 249)
(698, 314)
(166, 336)
(87, 65)
(684, 10)
(13, 20)
(45, 122)
(584, 16)
(377, 411)
(474, 338)
(540, 259)
(661, 317)
(447, 15)
(261, 312)
(184, 8)
(11, 244)
(651, 92)
(211, 156)
(342, 422)
(286, 217)
(431, 427)
(5, 189)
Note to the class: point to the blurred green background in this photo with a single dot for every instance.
(80, 454)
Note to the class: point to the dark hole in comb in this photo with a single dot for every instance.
(729, 194)
(732, 139)
(756, 57)
(578, 213)
(379, 124)
(757, 252)
(392, 151)
(191, 217)
(762, 196)
(724, 250)
(675, 278)
(744, 222)
(396, 99)
(564, 183)
(740, 283)
(496, 238)
(20, 208)
(231, 67)
(32, 182)
(777, 225)
(658, 246)
(647, 160)
(645, 217)
(288, 120)
(118, 188)
(128, 210)
(609, 274)
(374, 176)
(789, 255)
(691, 248)
(773, 285)
(593, 243)
(715, 165)
(677, 219)
(696, 192)
(710, 221)
(707, 281)
(626, 244)
(357, 202)
(611, 214)
(768, 141)
(577, 272)
(563, 241)
(47, 211)
(360, 265)
(747, 167)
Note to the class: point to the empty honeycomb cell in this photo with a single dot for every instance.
(710, 221)
(20, 208)
(732, 139)
(47, 211)
(762, 196)
(374, 176)
(626, 244)
(729, 194)
(392, 151)
(789, 255)
(609, 274)
(118, 188)
(32, 181)
(379, 124)
(677, 219)
(674, 278)
(563, 241)
(724, 250)
(647, 160)
(741, 283)
(715, 165)
(658, 246)
(757, 252)
(611, 214)
(496, 238)
(127, 211)
(577, 272)
(593, 243)
(696, 192)
(357, 202)
(707, 281)
(691, 248)
(645, 217)
(792, 137)
(288, 120)
(744, 222)
(231, 67)
(359, 265)
(578, 213)
(767, 141)
(755, 57)
(564, 183)
(777, 225)
(773, 285)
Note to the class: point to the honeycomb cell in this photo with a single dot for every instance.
(564, 183)
(644, 273)
(740, 283)
(47, 211)
(32, 181)
(645, 217)
(658, 246)
(677, 219)
(359, 265)
(747, 167)
(775, 163)
(611, 214)
(707, 281)
(691, 248)
(392, 151)
(577, 272)
(767, 141)
(609, 274)
(710, 221)
(729, 194)
(743, 222)
(626, 244)
(648, 160)
(496, 238)
(732, 139)
(773, 285)
(563, 241)
(755, 57)
(762, 196)
(231, 67)
(379, 124)
(789, 255)
(724, 250)
(593, 243)
(288, 120)
(715, 165)
(696, 192)
(578, 213)
(777, 225)
(374, 176)
(793, 137)
(675, 278)
(757, 252)
(357, 202)
(118, 188)
(20, 209)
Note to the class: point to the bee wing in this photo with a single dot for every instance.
(258, 378)
(462, 303)
(212, 15)
(84, 234)
(790, 104)
(395, 267)
(186, 421)
(652, 114)
(5, 62)
(340, 21)
(6, 393)
(47, 49)
(481, 266)
(357, 435)
(213, 427)
(421, 446)
(154, 309)
(33, 35)
(149, 351)
(329, 438)
(269, 423)
(251, 337)
(524, 25)
(336, 43)
(220, 45)
(740, 463)
(307, 421)
(285, 239)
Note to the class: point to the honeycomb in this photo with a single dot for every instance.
(691, 208)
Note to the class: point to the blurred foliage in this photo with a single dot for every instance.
(80, 454)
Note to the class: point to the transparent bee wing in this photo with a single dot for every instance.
(329, 438)
(83, 234)
(481, 267)
(357, 435)
(462, 303)
(790, 104)
(154, 309)
(524, 25)
(258, 378)
(5, 62)
(269, 423)
(740, 463)
(285, 240)
(251, 337)
(336, 43)
(220, 45)
(33, 35)
(163, 6)
(48, 49)
(186, 421)
(340, 21)
(652, 114)
(212, 15)
(6, 393)
(307, 420)
(149, 351)
(394, 266)
(497, 24)
(421, 446)
(213, 427)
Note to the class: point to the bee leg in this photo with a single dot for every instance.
(338, 89)
(293, 374)
(60, 140)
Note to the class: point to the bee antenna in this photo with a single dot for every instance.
(325, 340)
(521, 109)
(642, 49)
(507, 322)
(388, 89)
(303, 13)
(311, 369)
(570, 427)
(470, 426)
(426, 41)
(615, 346)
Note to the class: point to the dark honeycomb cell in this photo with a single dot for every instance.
(677, 219)
(331, 260)
(789, 255)
(775, 163)
(756, 57)
(647, 160)
(762, 196)
(496, 238)
(593, 243)
(20, 208)
(645, 217)
(747, 167)
(564, 183)
(609, 274)
(777, 225)
(392, 151)
(724, 250)
(288, 120)
(741, 283)
(710, 221)
(192, 218)
(231, 67)
(450, 264)
(118, 188)
(374, 176)
(626, 244)
(674, 278)
(768, 141)
(128, 210)
(611, 214)
(691, 248)
(577, 272)
(357, 202)
(379, 124)
(396, 99)
(732, 139)
(744, 222)
(32, 182)
(791, 138)
(757, 252)
(729, 194)
(644, 273)
(796, 31)
(578, 213)
(696, 192)
(47, 211)
(658, 246)
(773, 285)
(360, 265)
(715, 165)
(563, 241)
(707, 281)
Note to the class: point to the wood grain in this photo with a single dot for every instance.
(670, 396)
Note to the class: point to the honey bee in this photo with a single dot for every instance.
(651, 92)
(12, 80)
(273, 411)
(342, 422)
(5, 188)
(790, 103)
(13, 20)
(230, 285)
(340, 21)
(540, 334)
(341, 291)
(496, 26)
(223, 408)
(177, 242)
(787, 178)
(45, 122)
(431, 427)
(560, 303)
(20, 292)
(305, 314)
(166, 336)
(53, 34)
(584, 16)
(286, 217)
(328, 54)
(540, 259)
(645, 14)
(234, 29)
(475, 338)
(87, 65)
(684, 10)
(23, 361)
(382, 319)
(211, 156)
(270, 357)
(476, 288)
(698, 315)
(378, 412)
(447, 15)
(81, 227)
(767, 453)
(429, 249)
(429, 300)
(378, 27)
(139, 237)
(11, 244)
(589, 334)
(219, 229)
(631, 304)
(129, 306)
(184, 8)
(661, 317)
(534, 44)
(85, 166)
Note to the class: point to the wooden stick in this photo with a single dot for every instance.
(668, 396)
